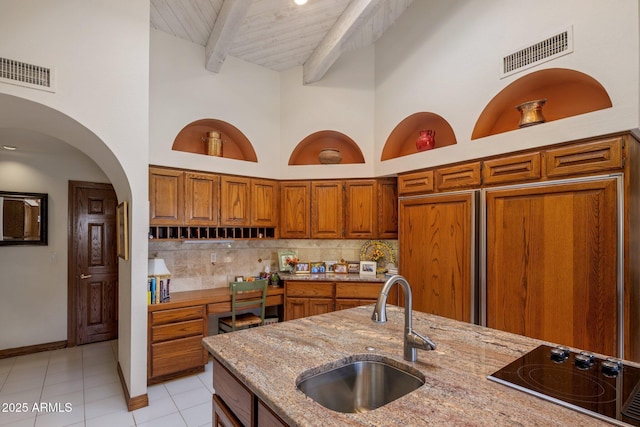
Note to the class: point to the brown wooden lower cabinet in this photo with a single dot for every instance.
(235, 405)
(307, 298)
(175, 342)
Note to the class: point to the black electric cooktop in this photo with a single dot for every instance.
(604, 388)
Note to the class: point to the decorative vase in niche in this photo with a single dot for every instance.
(531, 113)
(329, 156)
(426, 140)
(213, 144)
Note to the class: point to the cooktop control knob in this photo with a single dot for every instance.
(584, 360)
(611, 367)
(559, 354)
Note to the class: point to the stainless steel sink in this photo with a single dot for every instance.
(359, 386)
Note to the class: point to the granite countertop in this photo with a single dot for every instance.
(332, 277)
(457, 392)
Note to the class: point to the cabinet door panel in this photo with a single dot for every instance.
(296, 308)
(551, 263)
(295, 197)
(264, 202)
(166, 196)
(388, 208)
(234, 201)
(360, 200)
(326, 210)
(436, 253)
(201, 199)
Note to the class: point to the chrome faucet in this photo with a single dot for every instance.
(412, 340)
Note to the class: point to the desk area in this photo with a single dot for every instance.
(175, 330)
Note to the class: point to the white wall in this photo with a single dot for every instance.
(34, 278)
(100, 51)
(274, 110)
(443, 56)
(342, 101)
(183, 91)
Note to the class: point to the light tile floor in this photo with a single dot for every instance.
(79, 386)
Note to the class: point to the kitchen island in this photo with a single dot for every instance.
(268, 360)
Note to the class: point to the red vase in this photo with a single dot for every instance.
(426, 140)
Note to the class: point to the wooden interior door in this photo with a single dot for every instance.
(93, 263)
(552, 263)
(436, 251)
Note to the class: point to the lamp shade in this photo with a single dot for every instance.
(157, 267)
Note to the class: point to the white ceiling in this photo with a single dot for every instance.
(277, 34)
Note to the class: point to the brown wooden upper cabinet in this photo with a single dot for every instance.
(335, 209)
(326, 210)
(179, 197)
(360, 213)
(295, 208)
(234, 201)
(264, 203)
(166, 196)
(202, 199)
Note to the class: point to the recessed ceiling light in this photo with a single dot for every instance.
(9, 147)
(300, 2)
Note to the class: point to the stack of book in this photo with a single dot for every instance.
(158, 289)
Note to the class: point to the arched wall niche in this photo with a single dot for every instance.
(402, 139)
(568, 93)
(307, 150)
(235, 144)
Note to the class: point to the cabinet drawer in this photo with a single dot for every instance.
(524, 167)
(461, 176)
(591, 157)
(415, 183)
(266, 418)
(309, 289)
(177, 355)
(177, 330)
(359, 290)
(177, 315)
(234, 394)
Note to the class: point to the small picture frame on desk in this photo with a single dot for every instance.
(239, 279)
(302, 268)
(353, 267)
(368, 268)
(340, 268)
(283, 256)
(318, 267)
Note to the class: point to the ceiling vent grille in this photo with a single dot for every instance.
(553, 47)
(29, 75)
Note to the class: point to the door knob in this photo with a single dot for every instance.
(85, 276)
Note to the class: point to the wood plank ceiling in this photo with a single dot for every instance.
(277, 34)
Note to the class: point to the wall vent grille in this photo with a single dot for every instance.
(552, 47)
(28, 75)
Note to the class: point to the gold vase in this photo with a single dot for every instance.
(531, 113)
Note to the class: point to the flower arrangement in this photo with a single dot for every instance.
(292, 261)
(378, 251)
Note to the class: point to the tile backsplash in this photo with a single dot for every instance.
(191, 266)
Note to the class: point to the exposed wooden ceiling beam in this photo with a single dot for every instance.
(328, 51)
(224, 30)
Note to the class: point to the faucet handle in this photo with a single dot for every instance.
(416, 340)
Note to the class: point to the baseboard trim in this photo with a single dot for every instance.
(133, 403)
(30, 349)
